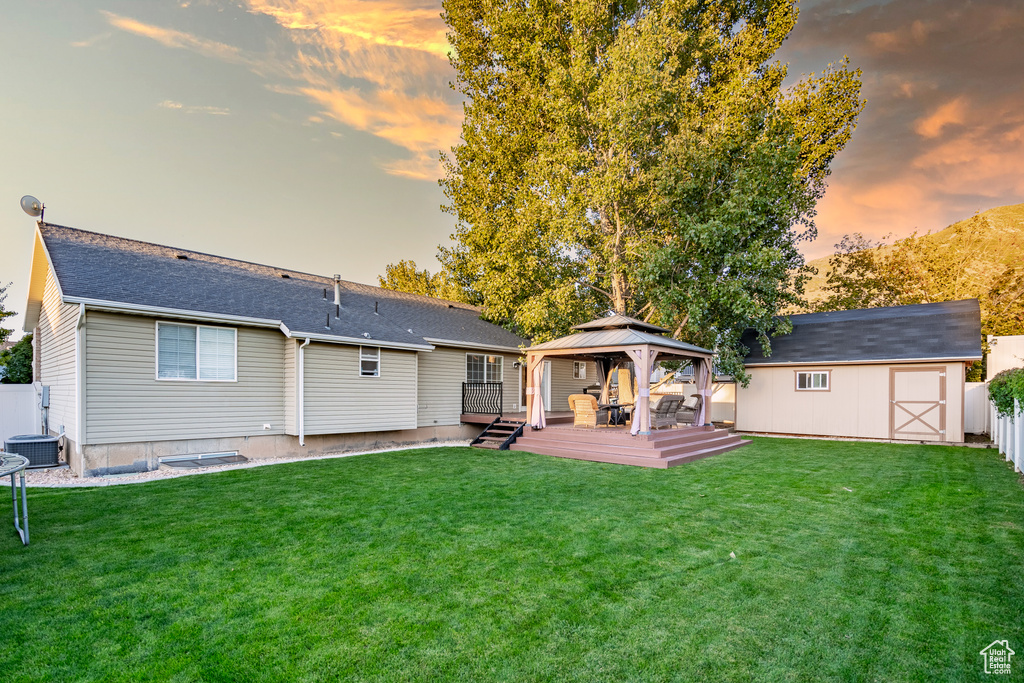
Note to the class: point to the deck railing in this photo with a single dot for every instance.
(482, 398)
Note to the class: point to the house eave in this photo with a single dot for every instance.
(158, 311)
(884, 361)
(359, 341)
(472, 345)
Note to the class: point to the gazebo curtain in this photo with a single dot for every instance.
(703, 377)
(643, 360)
(537, 420)
(604, 369)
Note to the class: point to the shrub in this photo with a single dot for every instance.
(1004, 387)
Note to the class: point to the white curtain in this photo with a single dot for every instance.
(537, 420)
(704, 389)
(643, 362)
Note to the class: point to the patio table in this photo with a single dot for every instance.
(12, 464)
(615, 412)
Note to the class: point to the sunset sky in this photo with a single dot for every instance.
(304, 133)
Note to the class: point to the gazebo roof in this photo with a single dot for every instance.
(618, 322)
(604, 339)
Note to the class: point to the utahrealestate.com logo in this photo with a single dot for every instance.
(997, 657)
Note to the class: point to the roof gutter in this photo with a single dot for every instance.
(470, 345)
(360, 341)
(792, 363)
(118, 307)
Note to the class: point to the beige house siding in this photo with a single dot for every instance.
(291, 399)
(125, 402)
(562, 383)
(339, 401)
(441, 374)
(55, 344)
(857, 404)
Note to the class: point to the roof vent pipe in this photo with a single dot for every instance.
(337, 290)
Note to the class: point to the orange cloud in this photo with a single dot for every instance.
(421, 124)
(178, 39)
(902, 39)
(950, 113)
(410, 25)
(952, 174)
(378, 67)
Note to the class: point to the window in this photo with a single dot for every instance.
(482, 369)
(369, 361)
(812, 381)
(579, 369)
(195, 352)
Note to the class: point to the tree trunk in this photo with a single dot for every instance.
(620, 283)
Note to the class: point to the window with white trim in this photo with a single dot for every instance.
(579, 369)
(481, 368)
(196, 352)
(369, 361)
(817, 380)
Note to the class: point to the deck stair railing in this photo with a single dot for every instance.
(482, 398)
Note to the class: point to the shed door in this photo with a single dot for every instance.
(917, 403)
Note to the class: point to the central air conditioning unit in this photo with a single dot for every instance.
(40, 449)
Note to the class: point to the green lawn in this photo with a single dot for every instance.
(460, 564)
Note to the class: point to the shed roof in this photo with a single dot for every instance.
(947, 330)
(91, 265)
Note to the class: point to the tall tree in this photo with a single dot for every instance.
(614, 153)
(16, 362)
(4, 313)
(405, 277)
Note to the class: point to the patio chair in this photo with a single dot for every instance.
(688, 410)
(585, 411)
(663, 413)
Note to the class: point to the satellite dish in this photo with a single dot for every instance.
(32, 206)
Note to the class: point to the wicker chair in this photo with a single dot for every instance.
(663, 414)
(688, 409)
(585, 411)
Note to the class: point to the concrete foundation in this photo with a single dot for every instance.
(142, 456)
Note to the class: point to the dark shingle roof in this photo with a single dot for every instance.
(950, 329)
(91, 265)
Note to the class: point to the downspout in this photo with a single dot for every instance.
(300, 389)
(79, 379)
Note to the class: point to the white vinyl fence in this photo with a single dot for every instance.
(1008, 435)
(976, 408)
(19, 410)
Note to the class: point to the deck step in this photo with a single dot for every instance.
(499, 434)
(657, 439)
(678, 449)
(549, 438)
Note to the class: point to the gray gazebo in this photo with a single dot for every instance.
(609, 341)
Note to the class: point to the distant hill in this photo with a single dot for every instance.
(998, 241)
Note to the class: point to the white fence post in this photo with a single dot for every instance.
(997, 428)
(1004, 446)
(1012, 445)
(1019, 440)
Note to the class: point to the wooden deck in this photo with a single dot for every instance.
(662, 449)
(483, 419)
